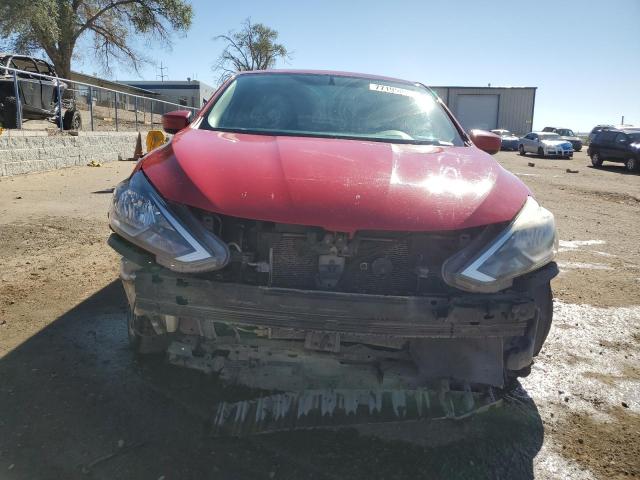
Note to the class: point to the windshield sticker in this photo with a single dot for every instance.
(376, 87)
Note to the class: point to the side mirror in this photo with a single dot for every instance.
(173, 122)
(486, 141)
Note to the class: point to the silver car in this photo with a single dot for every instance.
(545, 144)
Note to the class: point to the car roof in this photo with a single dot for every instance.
(327, 72)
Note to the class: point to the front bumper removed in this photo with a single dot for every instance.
(289, 339)
(340, 358)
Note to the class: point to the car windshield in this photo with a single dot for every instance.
(566, 132)
(548, 136)
(325, 105)
(505, 133)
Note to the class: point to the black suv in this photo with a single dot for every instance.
(38, 95)
(614, 145)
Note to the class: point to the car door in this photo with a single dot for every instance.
(29, 86)
(525, 142)
(48, 86)
(606, 147)
(533, 143)
(619, 147)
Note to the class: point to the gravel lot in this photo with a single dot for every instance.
(74, 403)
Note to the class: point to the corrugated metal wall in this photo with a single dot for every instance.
(515, 109)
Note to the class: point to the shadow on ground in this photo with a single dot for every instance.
(614, 168)
(74, 403)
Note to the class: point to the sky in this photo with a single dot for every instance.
(584, 56)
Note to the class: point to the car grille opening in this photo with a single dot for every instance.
(310, 258)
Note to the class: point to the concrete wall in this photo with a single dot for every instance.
(37, 152)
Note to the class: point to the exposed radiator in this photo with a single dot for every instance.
(380, 267)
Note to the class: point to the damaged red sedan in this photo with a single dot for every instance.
(314, 230)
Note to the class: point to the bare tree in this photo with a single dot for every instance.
(56, 26)
(254, 47)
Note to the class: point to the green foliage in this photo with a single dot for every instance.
(55, 26)
(254, 47)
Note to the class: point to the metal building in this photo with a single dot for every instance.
(190, 93)
(489, 108)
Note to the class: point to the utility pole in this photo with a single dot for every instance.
(161, 75)
(622, 121)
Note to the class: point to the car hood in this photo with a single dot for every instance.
(340, 185)
(554, 143)
(570, 138)
(510, 138)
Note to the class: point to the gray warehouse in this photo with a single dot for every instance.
(190, 93)
(489, 108)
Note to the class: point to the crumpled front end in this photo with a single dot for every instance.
(301, 308)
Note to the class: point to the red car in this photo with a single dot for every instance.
(322, 229)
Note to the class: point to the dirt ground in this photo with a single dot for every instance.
(74, 403)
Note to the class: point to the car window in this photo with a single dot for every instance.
(549, 136)
(334, 106)
(621, 138)
(44, 68)
(26, 64)
(606, 137)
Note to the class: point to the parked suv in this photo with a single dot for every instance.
(568, 135)
(613, 145)
(38, 95)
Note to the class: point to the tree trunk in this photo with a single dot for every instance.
(63, 64)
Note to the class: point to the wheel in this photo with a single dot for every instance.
(596, 160)
(72, 120)
(521, 150)
(143, 339)
(632, 164)
(540, 152)
(9, 111)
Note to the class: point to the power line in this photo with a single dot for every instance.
(161, 75)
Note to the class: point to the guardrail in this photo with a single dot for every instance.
(104, 108)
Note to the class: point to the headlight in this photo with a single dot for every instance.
(140, 215)
(528, 243)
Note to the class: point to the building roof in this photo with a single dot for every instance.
(168, 84)
(120, 86)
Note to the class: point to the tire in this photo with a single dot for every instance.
(72, 120)
(143, 339)
(9, 111)
(632, 164)
(596, 160)
(521, 150)
(540, 152)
